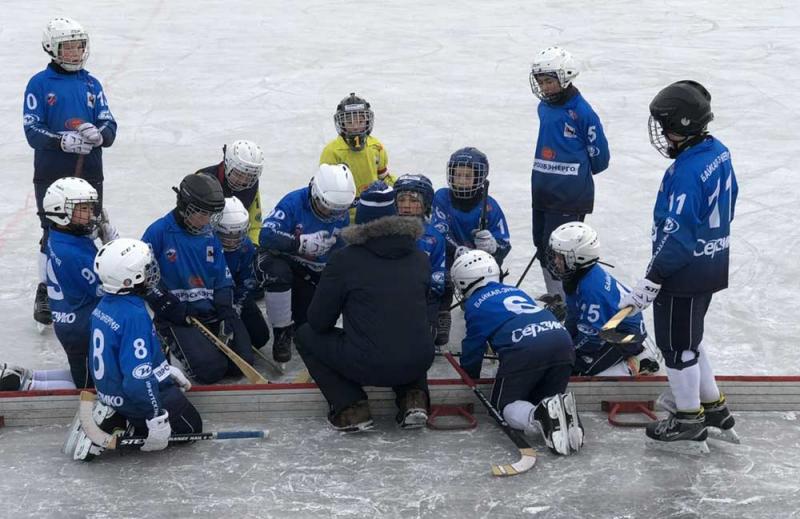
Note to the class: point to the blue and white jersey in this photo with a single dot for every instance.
(56, 102)
(457, 226)
(241, 263)
(128, 365)
(692, 221)
(73, 288)
(292, 217)
(509, 320)
(593, 303)
(192, 265)
(432, 243)
(570, 149)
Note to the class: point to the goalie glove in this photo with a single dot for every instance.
(158, 433)
(642, 296)
(484, 241)
(179, 378)
(316, 244)
(91, 134)
(72, 142)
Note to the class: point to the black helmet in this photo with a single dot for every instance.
(354, 120)
(199, 193)
(683, 108)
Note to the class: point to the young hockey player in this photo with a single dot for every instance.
(67, 122)
(195, 281)
(240, 256)
(592, 299)
(535, 350)
(570, 149)
(70, 206)
(691, 247)
(136, 388)
(379, 283)
(296, 241)
(414, 196)
(467, 221)
(238, 174)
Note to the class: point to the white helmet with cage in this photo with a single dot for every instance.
(125, 264)
(61, 198)
(332, 191)
(62, 30)
(573, 246)
(472, 270)
(232, 227)
(244, 161)
(557, 63)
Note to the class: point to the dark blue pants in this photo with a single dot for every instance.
(679, 323)
(253, 319)
(183, 417)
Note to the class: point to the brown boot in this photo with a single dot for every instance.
(413, 410)
(353, 418)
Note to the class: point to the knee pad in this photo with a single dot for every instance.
(276, 273)
(680, 359)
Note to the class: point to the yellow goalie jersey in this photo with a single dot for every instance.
(367, 165)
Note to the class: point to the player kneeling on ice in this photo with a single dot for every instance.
(71, 206)
(535, 350)
(196, 282)
(240, 256)
(592, 299)
(136, 388)
(379, 282)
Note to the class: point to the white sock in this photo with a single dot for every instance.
(279, 308)
(45, 375)
(620, 369)
(42, 267)
(51, 384)
(519, 415)
(709, 392)
(552, 285)
(685, 385)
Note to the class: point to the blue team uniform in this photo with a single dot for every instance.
(595, 301)
(432, 243)
(292, 217)
(456, 226)
(570, 149)
(73, 290)
(241, 263)
(57, 101)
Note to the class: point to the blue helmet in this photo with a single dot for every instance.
(460, 185)
(416, 184)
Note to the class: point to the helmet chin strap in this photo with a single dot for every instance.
(468, 289)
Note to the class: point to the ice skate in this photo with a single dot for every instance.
(413, 412)
(552, 420)
(574, 425)
(282, 346)
(352, 419)
(14, 378)
(681, 432)
(443, 329)
(41, 308)
(720, 421)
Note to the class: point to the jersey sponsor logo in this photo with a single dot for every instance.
(670, 225)
(105, 318)
(112, 400)
(712, 167)
(142, 371)
(586, 329)
(162, 371)
(90, 100)
(63, 317)
(29, 119)
(572, 114)
(51, 99)
(556, 168)
(210, 253)
(193, 294)
(548, 153)
(492, 293)
(196, 281)
(105, 115)
(172, 255)
(438, 278)
(534, 329)
(570, 132)
(711, 247)
(594, 151)
(73, 123)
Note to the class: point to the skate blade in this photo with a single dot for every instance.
(559, 438)
(688, 447)
(728, 435)
(357, 428)
(574, 429)
(415, 419)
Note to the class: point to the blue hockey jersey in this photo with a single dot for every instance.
(292, 217)
(509, 320)
(570, 149)
(456, 226)
(241, 263)
(691, 221)
(192, 266)
(57, 101)
(128, 365)
(73, 288)
(593, 303)
(432, 243)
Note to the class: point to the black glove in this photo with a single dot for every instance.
(167, 307)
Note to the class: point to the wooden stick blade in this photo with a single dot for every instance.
(617, 319)
(525, 463)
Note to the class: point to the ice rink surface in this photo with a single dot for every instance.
(183, 78)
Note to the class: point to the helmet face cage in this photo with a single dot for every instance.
(191, 213)
(658, 139)
(231, 235)
(573, 246)
(244, 161)
(354, 120)
(458, 177)
(536, 88)
(152, 273)
(63, 196)
(240, 180)
(325, 211)
(417, 185)
(64, 30)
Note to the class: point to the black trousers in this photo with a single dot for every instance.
(679, 323)
(183, 416)
(253, 319)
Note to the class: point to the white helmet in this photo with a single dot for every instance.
(244, 161)
(232, 227)
(553, 61)
(60, 30)
(573, 246)
(332, 191)
(62, 196)
(125, 264)
(472, 270)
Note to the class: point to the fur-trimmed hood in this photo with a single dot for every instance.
(390, 236)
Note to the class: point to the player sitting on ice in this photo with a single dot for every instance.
(238, 174)
(379, 283)
(195, 281)
(240, 256)
(592, 299)
(71, 207)
(136, 388)
(458, 214)
(535, 350)
(414, 195)
(17, 378)
(296, 240)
